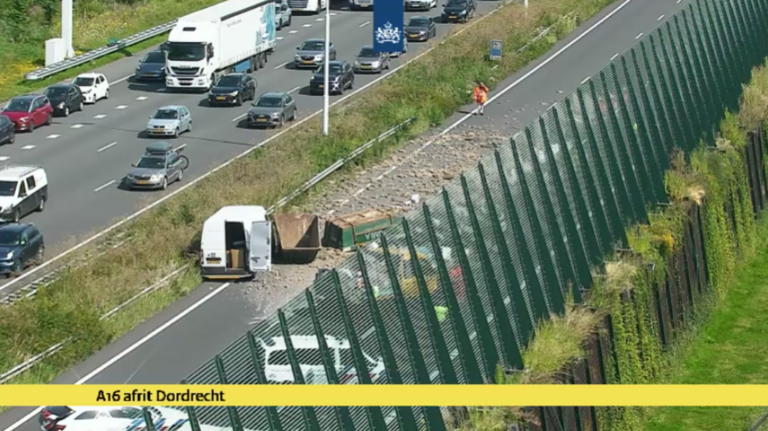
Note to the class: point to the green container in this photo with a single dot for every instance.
(349, 231)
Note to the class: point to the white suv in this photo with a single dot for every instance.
(277, 368)
(23, 189)
(94, 86)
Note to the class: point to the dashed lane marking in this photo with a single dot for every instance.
(4, 158)
(52, 136)
(639, 36)
(294, 89)
(104, 186)
(364, 24)
(121, 107)
(77, 126)
(27, 147)
(280, 66)
(239, 117)
(293, 31)
(319, 19)
(584, 81)
(614, 56)
(106, 147)
(279, 38)
(660, 18)
(307, 25)
(141, 98)
(100, 116)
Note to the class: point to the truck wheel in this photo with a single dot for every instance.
(262, 60)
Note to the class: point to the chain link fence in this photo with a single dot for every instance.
(457, 287)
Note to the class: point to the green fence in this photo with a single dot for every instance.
(461, 282)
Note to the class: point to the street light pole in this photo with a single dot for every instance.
(66, 27)
(326, 67)
(525, 3)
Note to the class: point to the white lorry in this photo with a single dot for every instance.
(236, 243)
(313, 6)
(232, 36)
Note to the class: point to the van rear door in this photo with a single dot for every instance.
(260, 248)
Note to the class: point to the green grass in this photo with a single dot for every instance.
(730, 348)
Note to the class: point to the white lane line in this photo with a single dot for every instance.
(127, 351)
(239, 117)
(364, 24)
(76, 126)
(106, 147)
(141, 98)
(122, 79)
(4, 158)
(52, 136)
(100, 116)
(334, 13)
(614, 56)
(104, 186)
(279, 66)
(584, 81)
(639, 36)
(319, 19)
(27, 147)
(660, 18)
(121, 107)
(293, 31)
(307, 25)
(279, 38)
(294, 89)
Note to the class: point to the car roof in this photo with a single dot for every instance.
(14, 227)
(419, 17)
(171, 107)
(366, 47)
(27, 96)
(14, 172)
(273, 94)
(336, 62)
(235, 74)
(89, 75)
(64, 85)
(305, 342)
(315, 39)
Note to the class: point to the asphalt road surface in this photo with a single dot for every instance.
(174, 343)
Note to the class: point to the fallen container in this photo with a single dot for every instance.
(297, 237)
(349, 231)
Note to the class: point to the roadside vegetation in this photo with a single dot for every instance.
(429, 90)
(25, 25)
(720, 340)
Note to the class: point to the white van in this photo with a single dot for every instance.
(23, 189)
(236, 243)
(277, 368)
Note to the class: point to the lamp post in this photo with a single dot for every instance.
(66, 27)
(326, 67)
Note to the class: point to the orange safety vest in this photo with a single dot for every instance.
(481, 94)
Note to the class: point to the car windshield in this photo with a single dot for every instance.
(7, 188)
(456, 3)
(9, 238)
(367, 52)
(335, 69)
(268, 102)
(155, 57)
(151, 163)
(418, 22)
(229, 81)
(186, 51)
(53, 92)
(313, 46)
(83, 82)
(18, 105)
(166, 114)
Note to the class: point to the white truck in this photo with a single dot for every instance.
(232, 36)
(313, 6)
(236, 243)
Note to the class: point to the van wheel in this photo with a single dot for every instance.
(16, 215)
(41, 204)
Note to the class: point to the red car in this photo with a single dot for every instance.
(28, 112)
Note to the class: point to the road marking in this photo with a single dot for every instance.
(307, 25)
(614, 56)
(128, 351)
(100, 116)
(4, 158)
(141, 98)
(344, 8)
(122, 79)
(279, 38)
(660, 18)
(52, 136)
(639, 36)
(106, 147)
(334, 13)
(77, 126)
(281, 65)
(27, 147)
(121, 107)
(161, 90)
(364, 24)
(104, 186)
(294, 89)
(239, 117)
(319, 19)
(293, 31)
(584, 81)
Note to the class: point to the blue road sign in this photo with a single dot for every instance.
(388, 24)
(495, 50)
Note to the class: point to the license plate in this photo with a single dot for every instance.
(221, 98)
(158, 130)
(142, 182)
(365, 67)
(452, 17)
(320, 86)
(307, 61)
(262, 120)
(364, 5)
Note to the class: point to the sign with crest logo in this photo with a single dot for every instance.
(388, 23)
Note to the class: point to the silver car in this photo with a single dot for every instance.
(283, 15)
(310, 54)
(272, 110)
(368, 60)
(161, 165)
(170, 120)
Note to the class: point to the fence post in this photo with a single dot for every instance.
(678, 138)
(234, 417)
(484, 335)
(727, 45)
(715, 58)
(273, 418)
(194, 424)
(147, 416)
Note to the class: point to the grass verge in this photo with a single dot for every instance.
(429, 90)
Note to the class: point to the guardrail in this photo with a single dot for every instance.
(84, 58)
(31, 362)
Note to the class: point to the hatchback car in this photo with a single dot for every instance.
(340, 77)
(420, 29)
(7, 130)
(233, 89)
(272, 110)
(420, 4)
(28, 112)
(459, 10)
(171, 120)
(65, 98)
(368, 60)
(58, 418)
(93, 85)
(151, 67)
(310, 54)
(161, 165)
(21, 246)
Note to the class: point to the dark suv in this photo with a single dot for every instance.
(21, 246)
(340, 78)
(65, 98)
(459, 10)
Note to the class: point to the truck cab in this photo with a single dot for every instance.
(236, 243)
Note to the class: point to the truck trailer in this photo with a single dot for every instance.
(232, 36)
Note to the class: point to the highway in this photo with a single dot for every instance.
(174, 343)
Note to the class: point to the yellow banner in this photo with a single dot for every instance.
(385, 395)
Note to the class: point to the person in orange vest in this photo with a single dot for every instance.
(481, 96)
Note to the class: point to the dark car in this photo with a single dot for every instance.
(459, 10)
(7, 130)
(28, 112)
(65, 98)
(272, 110)
(233, 89)
(420, 29)
(340, 78)
(151, 67)
(21, 245)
